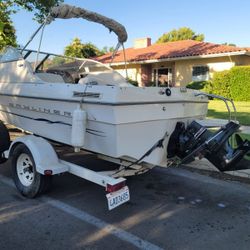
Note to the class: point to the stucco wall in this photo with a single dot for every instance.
(242, 60)
(182, 69)
(134, 72)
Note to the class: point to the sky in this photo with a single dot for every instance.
(219, 20)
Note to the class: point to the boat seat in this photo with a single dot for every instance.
(50, 77)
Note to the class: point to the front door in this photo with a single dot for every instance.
(163, 77)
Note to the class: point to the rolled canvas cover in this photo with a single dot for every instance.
(66, 11)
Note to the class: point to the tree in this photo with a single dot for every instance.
(107, 49)
(229, 44)
(40, 7)
(7, 31)
(183, 33)
(78, 49)
(8, 7)
(57, 60)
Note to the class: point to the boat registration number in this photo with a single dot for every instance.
(117, 198)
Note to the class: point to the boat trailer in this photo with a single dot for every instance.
(33, 168)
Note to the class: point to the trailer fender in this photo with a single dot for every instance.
(43, 153)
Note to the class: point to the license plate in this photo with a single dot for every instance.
(117, 198)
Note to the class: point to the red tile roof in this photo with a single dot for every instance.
(177, 49)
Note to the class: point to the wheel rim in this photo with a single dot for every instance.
(25, 170)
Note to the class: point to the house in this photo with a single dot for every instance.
(175, 63)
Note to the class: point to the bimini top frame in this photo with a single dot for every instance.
(65, 11)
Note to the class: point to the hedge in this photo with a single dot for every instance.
(233, 84)
(240, 83)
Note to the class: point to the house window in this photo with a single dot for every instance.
(200, 73)
(162, 77)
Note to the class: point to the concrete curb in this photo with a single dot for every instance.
(245, 129)
(206, 165)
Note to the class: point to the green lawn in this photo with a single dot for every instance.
(217, 109)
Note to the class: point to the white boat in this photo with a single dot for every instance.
(123, 121)
(87, 105)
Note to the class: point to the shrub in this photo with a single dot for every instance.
(240, 83)
(221, 83)
(197, 85)
(151, 84)
(233, 83)
(133, 82)
(204, 86)
(208, 88)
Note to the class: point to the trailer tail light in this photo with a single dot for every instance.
(112, 188)
(48, 172)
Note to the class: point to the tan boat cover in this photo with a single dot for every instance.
(66, 11)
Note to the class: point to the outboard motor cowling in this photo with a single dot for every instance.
(197, 140)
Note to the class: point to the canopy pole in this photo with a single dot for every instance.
(39, 48)
(114, 53)
(125, 60)
(32, 37)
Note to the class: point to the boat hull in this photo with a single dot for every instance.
(124, 130)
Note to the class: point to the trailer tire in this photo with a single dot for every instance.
(4, 141)
(28, 181)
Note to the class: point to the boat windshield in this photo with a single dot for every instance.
(73, 70)
(9, 55)
(52, 68)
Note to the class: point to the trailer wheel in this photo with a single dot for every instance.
(4, 141)
(28, 181)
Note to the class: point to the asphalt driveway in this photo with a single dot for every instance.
(169, 209)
